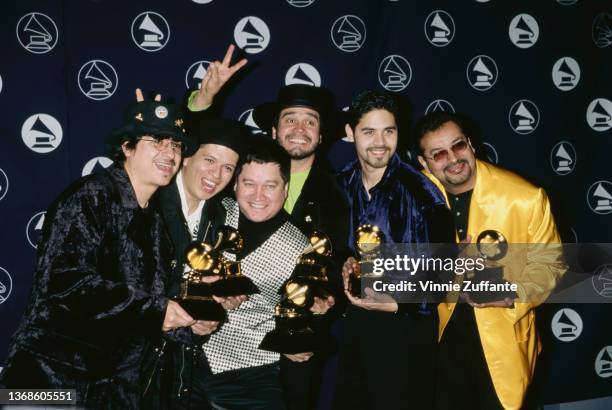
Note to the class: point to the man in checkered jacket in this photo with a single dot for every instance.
(243, 376)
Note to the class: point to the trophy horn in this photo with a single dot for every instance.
(200, 257)
(368, 239)
(228, 239)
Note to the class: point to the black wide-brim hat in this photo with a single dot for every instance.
(295, 95)
(158, 119)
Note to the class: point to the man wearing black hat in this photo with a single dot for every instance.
(99, 289)
(193, 212)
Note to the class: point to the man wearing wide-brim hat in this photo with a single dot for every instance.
(99, 290)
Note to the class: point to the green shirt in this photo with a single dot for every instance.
(296, 183)
(190, 102)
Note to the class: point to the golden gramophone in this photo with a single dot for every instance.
(196, 293)
(492, 246)
(233, 282)
(294, 331)
(313, 264)
(368, 239)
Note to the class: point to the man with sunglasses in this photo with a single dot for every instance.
(386, 348)
(99, 290)
(487, 350)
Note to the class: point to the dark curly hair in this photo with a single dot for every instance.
(371, 100)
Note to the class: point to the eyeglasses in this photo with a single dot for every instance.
(457, 148)
(162, 144)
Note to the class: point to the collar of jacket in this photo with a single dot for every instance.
(122, 181)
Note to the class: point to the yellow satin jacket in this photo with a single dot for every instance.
(506, 202)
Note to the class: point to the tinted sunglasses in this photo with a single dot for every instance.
(457, 148)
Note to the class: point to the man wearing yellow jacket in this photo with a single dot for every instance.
(487, 351)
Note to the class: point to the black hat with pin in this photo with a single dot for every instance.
(295, 95)
(158, 119)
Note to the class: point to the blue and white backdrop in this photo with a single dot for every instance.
(535, 75)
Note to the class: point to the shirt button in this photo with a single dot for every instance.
(458, 213)
(456, 198)
(460, 230)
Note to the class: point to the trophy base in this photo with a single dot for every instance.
(291, 343)
(234, 286)
(203, 309)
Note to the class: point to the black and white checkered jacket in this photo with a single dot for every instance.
(235, 345)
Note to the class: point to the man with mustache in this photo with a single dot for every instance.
(99, 290)
(488, 350)
(387, 348)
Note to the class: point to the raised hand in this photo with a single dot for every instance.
(217, 74)
(140, 97)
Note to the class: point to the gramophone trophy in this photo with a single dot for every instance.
(313, 264)
(233, 282)
(368, 239)
(196, 293)
(294, 331)
(492, 246)
(295, 328)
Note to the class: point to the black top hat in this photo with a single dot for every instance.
(206, 128)
(162, 120)
(295, 95)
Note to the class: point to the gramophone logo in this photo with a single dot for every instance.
(438, 106)
(41, 133)
(599, 197)
(482, 72)
(523, 31)
(483, 1)
(98, 80)
(599, 114)
(202, 1)
(303, 73)
(566, 325)
(348, 33)
(252, 35)
(150, 31)
(247, 119)
(37, 33)
(0, 83)
(300, 3)
(4, 184)
(394, 73)
(566, 73)
(6, 285)
(567, 2)
(439, 28)
(95, 165)
(563, 158)
(524, 117)
(602, 280)
(603, 362)
(34, 229)
(195, 74)
(490, 153)
(602, 30)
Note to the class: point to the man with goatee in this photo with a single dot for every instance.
(387, 349)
